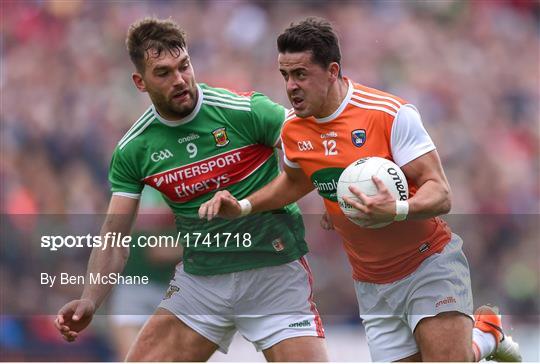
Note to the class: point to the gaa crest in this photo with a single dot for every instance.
(358, 137)
(220, 136)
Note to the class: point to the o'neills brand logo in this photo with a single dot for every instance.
(326, 180)
(188, 138)
(192, 180)
(330, 134)
(304, 323)
(446, 301)
(398, 182)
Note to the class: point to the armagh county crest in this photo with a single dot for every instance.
(220, 136)
(358, 137)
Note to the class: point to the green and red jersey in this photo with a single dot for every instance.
(227, 142)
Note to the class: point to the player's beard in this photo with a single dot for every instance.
(173, 110)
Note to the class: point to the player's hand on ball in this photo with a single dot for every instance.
(223, 204)
(376, 209)
(73, 317)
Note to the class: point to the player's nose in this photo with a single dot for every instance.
(178, 79)
(291, 85)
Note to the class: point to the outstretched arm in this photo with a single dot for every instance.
(76, 315)
(291, 185)
(120, 218)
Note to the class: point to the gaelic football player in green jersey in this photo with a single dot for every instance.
(248, 275)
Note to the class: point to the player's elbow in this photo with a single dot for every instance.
(446, 204)
(446, 207)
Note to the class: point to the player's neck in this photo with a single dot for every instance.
(336, 95)
(173, 117)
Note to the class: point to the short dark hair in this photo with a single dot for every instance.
(151, 33)
(315, 35)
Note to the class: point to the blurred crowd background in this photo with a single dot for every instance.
(471, 67)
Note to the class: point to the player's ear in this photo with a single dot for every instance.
(138, 81)
(333, 69)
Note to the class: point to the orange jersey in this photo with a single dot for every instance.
(364, 126)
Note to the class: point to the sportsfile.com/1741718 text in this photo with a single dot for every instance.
(118, 240)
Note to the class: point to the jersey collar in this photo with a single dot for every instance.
(186, 119)
(341, 107)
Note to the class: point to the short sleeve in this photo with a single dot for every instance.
(268, 118)
(286, 160)
(409, 139)
(122, 176)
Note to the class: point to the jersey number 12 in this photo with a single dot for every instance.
(330, 147)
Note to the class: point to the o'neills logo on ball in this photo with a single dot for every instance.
(398, 182)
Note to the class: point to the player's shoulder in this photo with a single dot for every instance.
(226, 99)
(137, 130)
(290, 118)
(359, 89)
(292, 121)
(369, 98)
(295, 127)
(222, 91)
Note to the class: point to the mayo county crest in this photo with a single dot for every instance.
(220, 136)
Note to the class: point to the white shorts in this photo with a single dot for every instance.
(390, 312)
(132, 305)
(266, 305)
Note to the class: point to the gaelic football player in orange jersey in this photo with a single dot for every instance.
(411, 277)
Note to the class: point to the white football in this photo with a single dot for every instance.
(359, 174)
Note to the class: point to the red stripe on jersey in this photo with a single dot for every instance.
(195, 179)
(317, 319)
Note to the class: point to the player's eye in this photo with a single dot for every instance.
(285, 76)
(162, 73)
(185, 66)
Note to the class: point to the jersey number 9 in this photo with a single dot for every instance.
(191, 149)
